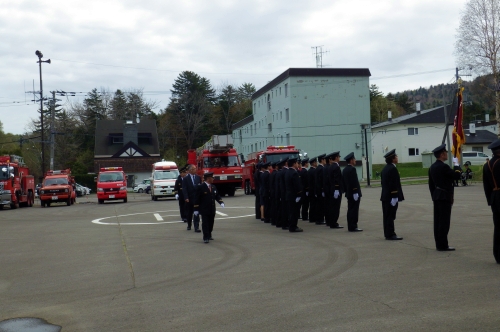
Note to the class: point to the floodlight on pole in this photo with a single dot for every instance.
(40, 56)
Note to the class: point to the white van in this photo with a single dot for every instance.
(474, 157)
(163, 176)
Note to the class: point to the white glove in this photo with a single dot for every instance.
(323, 194)
(394, 201)
(297, 199)
(176, 196)
(196, 213)
(336, 194)
(307, 193)
(355, 196)
(222, 204)
(455, 161)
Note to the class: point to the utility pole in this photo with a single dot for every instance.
(52, 131)
(319, 55)
(40, 56)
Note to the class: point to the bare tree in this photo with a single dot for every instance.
(478, 43)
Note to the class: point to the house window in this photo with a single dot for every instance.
(145, 138)
(413, 152)
(287, 115)
(241, 138)
(116, 138)
(287, 139)
(281, 115)
(268, 102)
(477, 148)
(270, 128)
(412, 131)
(286, 89)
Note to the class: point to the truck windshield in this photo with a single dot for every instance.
(223, 161)
(110, 177)
(55, 181)
(279, 157)
(4, 174)
(166, 175)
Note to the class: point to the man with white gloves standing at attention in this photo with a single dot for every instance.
(204, 204)
(392, 193)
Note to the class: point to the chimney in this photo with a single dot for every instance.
(486, 118)
(389, 115)
(130, 132)
(472, 129)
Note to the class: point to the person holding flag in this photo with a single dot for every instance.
(458, 134)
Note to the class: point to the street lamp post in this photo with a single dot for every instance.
(40, 56)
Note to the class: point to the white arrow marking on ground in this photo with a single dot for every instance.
(158, 217)
(221, 214)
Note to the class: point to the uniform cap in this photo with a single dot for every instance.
(440, 148)
(332, 155)
(292, 161)
(390, 153)
(265, 165)
(274, 163)
(208, 175)
(349, 156)
(313, 160)
(495, 145)
(304, 161)
(321, 157)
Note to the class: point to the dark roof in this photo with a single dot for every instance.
(481, 137)
(318, 72)
(433, 115)
(242, 122)
(106, 127)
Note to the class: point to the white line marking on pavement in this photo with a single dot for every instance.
(158, 217)
(221, 214)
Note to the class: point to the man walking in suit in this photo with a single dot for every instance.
(265, 193)
(178, 193)
(392, 193)
(204, 204)
(304, 180)
(441, 178)
(491, 183)
(313, 205)
(352, 193)
(189, 186)
(293, 194)
(336, 189)
(284, 203)
(320, 191)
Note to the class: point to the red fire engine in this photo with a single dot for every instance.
(111, 184)
(271, 154)
(218, 156)
(17, 187)
(58, 186)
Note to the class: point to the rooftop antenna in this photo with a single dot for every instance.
(318, 53)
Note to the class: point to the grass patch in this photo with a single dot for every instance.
(409, 170)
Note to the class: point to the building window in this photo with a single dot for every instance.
(241, 138)
(286, 89)
(255, 146)
(477, 148)
(280, 91)
(281, 115)
(413, 152)
(254, 107)
(287, 139)
(287, 115)
(412, 131)
(270, 128)
(281, 139)
(268, 102)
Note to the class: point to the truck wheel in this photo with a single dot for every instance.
(68, 202)
(140, 191)
(247, 188)
(125, 200)
(42, 203)
(14, 205)
(31, 200)
(155, 198)
(1, 207)
(101, 201)
(48, 204)
(231, 192)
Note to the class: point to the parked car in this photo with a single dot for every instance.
(474, 157)
(84, 190)
(141, 187)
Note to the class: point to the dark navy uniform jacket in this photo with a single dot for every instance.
(351, 182)
(204, 201)
(441, 178)
(391, 184)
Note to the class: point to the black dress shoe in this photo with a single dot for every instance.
(305, 219)
(184, 220)
(284, 228)
(447, 249)
(296, 230)
(336, 226)
(189, 228)
(211, 238)
(320, 223)
(197, 231)
(262, 219)
(394, 238)
(356, 230)
(206, 241)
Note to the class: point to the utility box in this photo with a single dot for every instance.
(427, 159)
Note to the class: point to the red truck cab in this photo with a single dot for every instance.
(57, 187)
(111, 184)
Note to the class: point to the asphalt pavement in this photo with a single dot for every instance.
(134, 267)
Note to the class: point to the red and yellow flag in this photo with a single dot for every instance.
(458, 128)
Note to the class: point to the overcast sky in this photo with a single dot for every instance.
(130, 44)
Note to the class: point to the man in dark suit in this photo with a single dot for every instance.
(265, 192)
(491, 184)
(441, 178)
(284, 204)
(272, 188)
(313, 205)
(392, 193)
(352, 193)
(335, 189)
(178, 193)
(327, 189)
(189, 185)
(204, 204)
(320, 191)
(256, 182)
(293, 194)
(304, 180)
